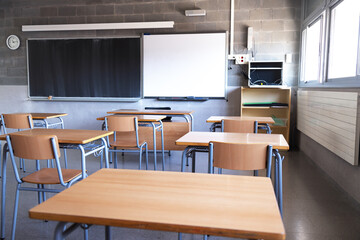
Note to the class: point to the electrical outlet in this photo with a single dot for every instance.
(241, 58)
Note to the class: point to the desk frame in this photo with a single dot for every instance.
(43, 122)
(144, 123)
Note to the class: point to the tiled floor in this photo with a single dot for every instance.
(314, 207)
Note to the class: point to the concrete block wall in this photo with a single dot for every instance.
(276, 26)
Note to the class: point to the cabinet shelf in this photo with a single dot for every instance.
(262, 68)
(268, 95)
(282, 107)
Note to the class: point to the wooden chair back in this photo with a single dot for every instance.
(17, 120)
(121, 123)
(239, 126)
(36, 147)
(238, 156)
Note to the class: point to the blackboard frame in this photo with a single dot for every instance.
(138, 89)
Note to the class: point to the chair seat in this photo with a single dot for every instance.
(50, 176)
(126, 144)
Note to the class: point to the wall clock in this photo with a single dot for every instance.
(13, 42)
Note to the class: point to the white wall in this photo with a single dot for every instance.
(82, 115)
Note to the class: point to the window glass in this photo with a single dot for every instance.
(344, 37)
(312, 5)
(312, 52)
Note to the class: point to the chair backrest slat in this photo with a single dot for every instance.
(35, 147)
(121, 123)
(17, 121)
(238, 126)
(237, 156)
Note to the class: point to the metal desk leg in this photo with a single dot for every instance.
(276, 175)
(193, 155)
(83, 161)
(65, 155)
(278, 183)
(268, 129)
(61, 233)
(162, 146)
(3, 191)
(211, 157)
(183, 159)
(192, 121)
(106, 152)
(154, 141)
(212, 127)
(107, 233)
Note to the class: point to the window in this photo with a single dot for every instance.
(330, 55)
(312, 51)
(344, 35)
(311, 6)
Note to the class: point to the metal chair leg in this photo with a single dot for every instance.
(147, 156)
(16, 203)
(140, 157)
(115, 158)
(20, 163)
(40, 199)
(65, 159)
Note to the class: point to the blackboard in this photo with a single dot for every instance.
(87, 69)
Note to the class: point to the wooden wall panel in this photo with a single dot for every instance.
(331, 119)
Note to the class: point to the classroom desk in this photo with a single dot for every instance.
(43, 119)
(200, 141)
(222, 205)
(68, 138)
(172, 130)
(155, 122)
(174, 113)
(216, 121)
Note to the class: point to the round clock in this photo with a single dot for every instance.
(13, 42)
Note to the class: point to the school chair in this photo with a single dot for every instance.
(126, 137)
(239, 126)
(19, 122)
(240, 156)
(38, 147)
(237, 156)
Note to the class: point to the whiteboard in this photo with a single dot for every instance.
(183, 65)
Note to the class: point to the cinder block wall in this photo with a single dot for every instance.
(276, 26)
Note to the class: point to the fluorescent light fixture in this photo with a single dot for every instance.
(97, 26)
(195, 13)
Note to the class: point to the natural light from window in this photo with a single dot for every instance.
(311, 62)
(344, 37)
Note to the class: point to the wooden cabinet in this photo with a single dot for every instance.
(172, 132)
(268, 102)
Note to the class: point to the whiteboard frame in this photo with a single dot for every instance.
(225, 65)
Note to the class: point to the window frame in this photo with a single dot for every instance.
(320, 77)
(325, 11)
